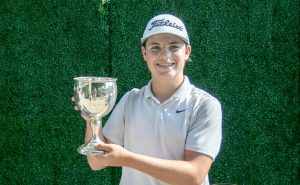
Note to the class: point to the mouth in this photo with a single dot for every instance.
(165, 65)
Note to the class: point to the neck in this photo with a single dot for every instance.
(164, 89)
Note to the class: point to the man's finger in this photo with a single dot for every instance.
(103, 146)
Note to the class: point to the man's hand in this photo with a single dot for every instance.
(115, 155)
(87, 119)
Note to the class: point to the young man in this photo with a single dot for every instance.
(168, 132)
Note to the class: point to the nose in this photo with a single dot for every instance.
(165, 54)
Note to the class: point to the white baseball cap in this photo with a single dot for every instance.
(166, 23)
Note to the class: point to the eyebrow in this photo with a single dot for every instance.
(175, 42)
(155, 43)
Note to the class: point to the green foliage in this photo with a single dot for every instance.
(245, 53)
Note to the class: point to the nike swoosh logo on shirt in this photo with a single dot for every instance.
(179, 111)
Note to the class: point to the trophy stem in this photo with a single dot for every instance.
(95, 125)
(88, 148)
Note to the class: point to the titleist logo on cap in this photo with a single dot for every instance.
(164, 22)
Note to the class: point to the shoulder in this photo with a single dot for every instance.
(133, 94)
(204, 102)
(202, 97)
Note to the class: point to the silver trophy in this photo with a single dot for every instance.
(95, 97)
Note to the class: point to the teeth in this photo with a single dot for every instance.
(165, 65)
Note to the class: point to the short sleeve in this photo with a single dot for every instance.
(115, 125)
(205, 132)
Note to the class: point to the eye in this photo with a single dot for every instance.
(174, 47)
(155, 48)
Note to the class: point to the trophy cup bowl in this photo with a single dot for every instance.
(95, 97)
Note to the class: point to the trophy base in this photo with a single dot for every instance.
(89, 149)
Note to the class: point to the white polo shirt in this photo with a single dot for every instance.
(190, 119)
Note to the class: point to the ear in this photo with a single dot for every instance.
(188, 50)
(143, 50)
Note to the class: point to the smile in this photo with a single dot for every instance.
(165, 65)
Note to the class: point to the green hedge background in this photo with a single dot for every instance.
(246, 53)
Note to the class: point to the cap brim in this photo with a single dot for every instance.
(150, 35)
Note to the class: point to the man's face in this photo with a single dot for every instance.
(165, 55)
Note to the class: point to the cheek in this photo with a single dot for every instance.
(181, 57)
(149, 64)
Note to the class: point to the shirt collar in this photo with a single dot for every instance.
(179, 93)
